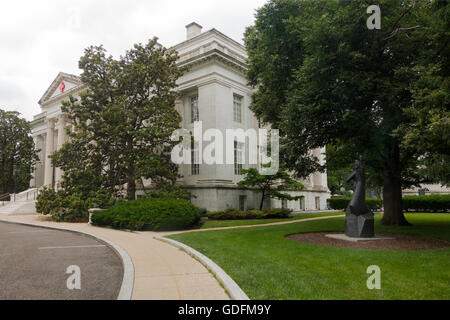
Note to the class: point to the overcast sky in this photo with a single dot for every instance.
(38, 39)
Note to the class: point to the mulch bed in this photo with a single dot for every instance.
(401, 242)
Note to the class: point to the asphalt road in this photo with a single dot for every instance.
(34, 262)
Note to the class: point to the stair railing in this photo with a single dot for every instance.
(7, 195)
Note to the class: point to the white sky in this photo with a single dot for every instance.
(40, 38)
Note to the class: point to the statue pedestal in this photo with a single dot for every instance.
(360, 226)
(350, 239)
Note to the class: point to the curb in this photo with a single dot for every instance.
(126, 289)
(235, 292)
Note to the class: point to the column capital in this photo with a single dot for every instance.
(51, 123)
(62, 118)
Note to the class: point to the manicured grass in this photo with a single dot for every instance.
(234, 223)
(269, 266)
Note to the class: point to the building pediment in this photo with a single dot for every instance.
(63, 85)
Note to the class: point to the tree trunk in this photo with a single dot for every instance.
(262, 201)
(392, 191)
(131, 186)
(131, 182)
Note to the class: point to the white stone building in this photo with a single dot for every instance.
(215, 92)
(427, 189)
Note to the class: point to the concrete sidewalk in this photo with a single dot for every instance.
(253, 225)
(162, 272)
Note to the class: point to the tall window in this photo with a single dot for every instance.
(242, 203)
(237, 109)
(238, 157)
(284, 203)
(302, 204)
(317, 203)
(195, 165)
(194, 109)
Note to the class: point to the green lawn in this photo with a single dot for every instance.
(233, 223)
(268, 266)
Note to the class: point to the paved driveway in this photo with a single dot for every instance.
(161, 271)
(34, 262)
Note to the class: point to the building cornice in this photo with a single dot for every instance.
(38, 120)
(207, 34)
(215, 55)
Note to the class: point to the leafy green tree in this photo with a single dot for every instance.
(122, 123)
(17, 153)
(338, 170)
(340, 166)
(337, 181)
(270, 186)
(324, 78)
(429, 130)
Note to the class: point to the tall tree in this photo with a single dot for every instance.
(429, 131)
(123, 121)
(340, 166)
(17, 152)
(324, 78)
(271, 186)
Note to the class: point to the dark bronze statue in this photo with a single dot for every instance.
(359, 221)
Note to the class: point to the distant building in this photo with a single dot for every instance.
(214, 91)
(426, 189)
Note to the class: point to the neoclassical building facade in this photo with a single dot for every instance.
(213, 91)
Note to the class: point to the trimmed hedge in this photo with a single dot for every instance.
(427, 203)
(342, 203)
(151, 214)
(234, 214)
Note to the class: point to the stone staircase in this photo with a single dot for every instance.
(18, 208)
(21, 204)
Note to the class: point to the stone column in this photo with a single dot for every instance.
(324, 175)
(317, 176)
(49, 148)
(61, 140)
(33, 175)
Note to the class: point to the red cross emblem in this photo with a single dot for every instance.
(62, 87)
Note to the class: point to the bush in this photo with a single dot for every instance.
(342, 203)
(65, 207)
(47, 202)
(278, 213)
(61, 206)
(152, 214)
(428, 203)
(234, 214)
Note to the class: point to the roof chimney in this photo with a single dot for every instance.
(193, 29)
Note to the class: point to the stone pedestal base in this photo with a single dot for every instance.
(92, 211)
(361, 226)
(347, 238)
